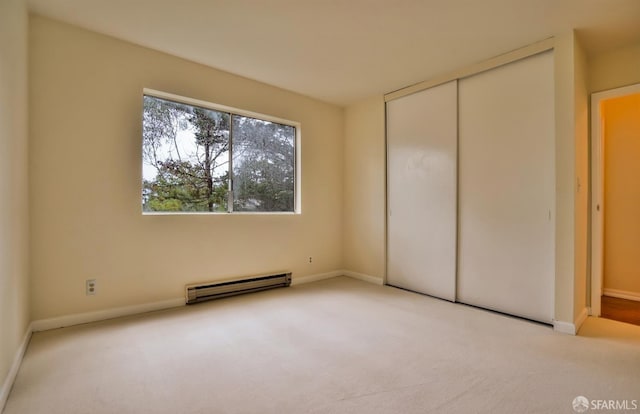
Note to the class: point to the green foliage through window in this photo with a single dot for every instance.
(202, 160)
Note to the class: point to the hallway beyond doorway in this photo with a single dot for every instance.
(623, 310)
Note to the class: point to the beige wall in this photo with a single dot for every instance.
(622, 194)
(86, 221)
(565, 178)
(614, 69)
(364, 188)
(581, 258)
(86, 102)
(571, 168)
(14, 303)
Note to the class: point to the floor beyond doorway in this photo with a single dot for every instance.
(622, 310)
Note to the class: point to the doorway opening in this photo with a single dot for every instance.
(615, 203)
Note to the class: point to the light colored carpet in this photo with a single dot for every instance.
(336, 346)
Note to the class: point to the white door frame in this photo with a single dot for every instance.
(597, 189)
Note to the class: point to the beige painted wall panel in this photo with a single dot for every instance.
(565, 166)
(14, 298)
(582, 179)
(614, 69)
(622, 194)
(364, 188)
(86, 103)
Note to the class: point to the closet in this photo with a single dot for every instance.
(422, 165)
(471, 189)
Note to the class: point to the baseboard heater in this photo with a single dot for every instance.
(208, 291)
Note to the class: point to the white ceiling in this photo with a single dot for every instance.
(340, 51)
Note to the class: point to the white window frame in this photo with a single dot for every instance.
(250, 114)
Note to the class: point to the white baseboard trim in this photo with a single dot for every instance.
(336, 273)
(15, 367)
(101, 315)
(581, 318)
(364, 277)
(571, 328)
(564, 327)
(314, 278)
(621, 294)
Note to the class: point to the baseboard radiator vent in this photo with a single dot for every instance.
(208, 291)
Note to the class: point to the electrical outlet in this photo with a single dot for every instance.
(310, 259)
(91, 287)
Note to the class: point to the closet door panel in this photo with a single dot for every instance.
(507, 189)
(422, 195)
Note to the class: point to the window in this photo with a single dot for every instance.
(200, 157)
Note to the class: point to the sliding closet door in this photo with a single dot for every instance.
(421, 179)
(507, 189)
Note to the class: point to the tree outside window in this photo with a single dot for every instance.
(197, 159)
